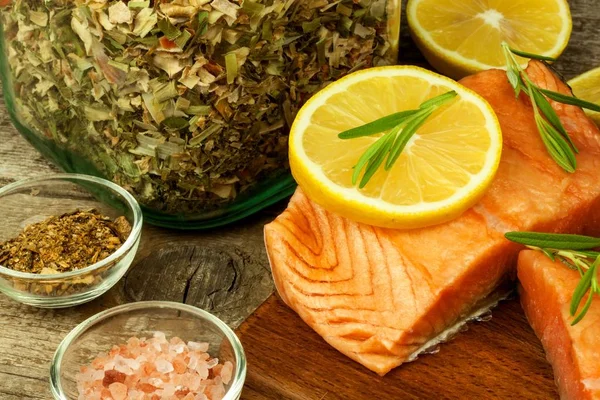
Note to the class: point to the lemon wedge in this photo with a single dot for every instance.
(587, 87)
(444, 169)
(459, 38)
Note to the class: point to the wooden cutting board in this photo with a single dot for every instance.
(497, 359)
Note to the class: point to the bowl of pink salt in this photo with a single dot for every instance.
(149, 351)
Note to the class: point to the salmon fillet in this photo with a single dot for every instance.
(546, 288)
(382, 296)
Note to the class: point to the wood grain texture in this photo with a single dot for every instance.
(497, 359)
(223, 279)
(225, 271)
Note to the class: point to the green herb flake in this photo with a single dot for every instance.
(98, 114)
(183, 39)
(175, 123)
(145, 21)
(202, 22)
(165, 91)
(39, 18)
(138, 4)
(311, 26)
(252, 7)
(344, 10)
(231, 66)
(170, 31)
(199, 110)
(119, 65)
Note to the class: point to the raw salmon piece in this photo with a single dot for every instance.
(546, 289)
(382, 296)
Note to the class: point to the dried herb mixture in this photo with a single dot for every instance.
(185, 103)
(64, 243)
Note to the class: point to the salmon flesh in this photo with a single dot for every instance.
(382, 296)
(546, 288)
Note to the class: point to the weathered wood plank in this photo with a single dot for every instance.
(18, 160)
(226, 280)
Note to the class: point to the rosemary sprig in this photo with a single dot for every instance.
(401, 126)
(554, 135)
(576, 252)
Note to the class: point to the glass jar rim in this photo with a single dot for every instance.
(132, 204)
(240, 357)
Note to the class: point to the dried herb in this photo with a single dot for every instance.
(185, 103)
(64, 243)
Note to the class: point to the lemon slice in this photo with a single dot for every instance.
(459, 38)
(444, 169)
(587, 87)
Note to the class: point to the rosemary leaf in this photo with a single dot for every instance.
(371, 152)
(515, 80)
(554, 146)
(558, 241)
(530, 55)
(403, 126)
(589, 254)
(438, 100)
(562, 147)
(377, 126)
(376, 161)
(571, 100)
(584, 310)
(548, 254)
(553, 134)
(554, 121)
(407, 132)
(549, 112)
(582, 288)
(572, 251)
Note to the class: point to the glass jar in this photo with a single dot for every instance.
(186, 103)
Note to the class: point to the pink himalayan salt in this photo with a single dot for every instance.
(118, 391)
(155, 369)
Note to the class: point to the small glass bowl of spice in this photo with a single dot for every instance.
(65, 238)
(149, 350)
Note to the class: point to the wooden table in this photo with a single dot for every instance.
(226, 272)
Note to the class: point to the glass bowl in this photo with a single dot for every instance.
(32, 200)
(114, 326)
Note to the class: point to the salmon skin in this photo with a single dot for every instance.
(546, 289)
(382, 296)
